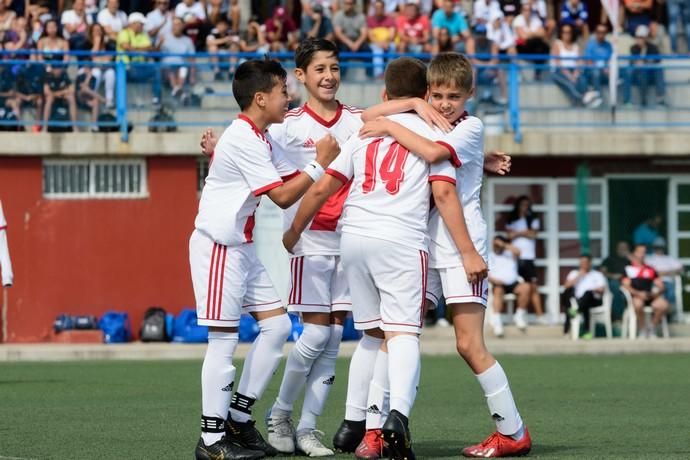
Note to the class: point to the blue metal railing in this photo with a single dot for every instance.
(515, 113)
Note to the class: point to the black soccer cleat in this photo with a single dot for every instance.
(349, 435)
(224, 450)
(246, 435)
(396, 435)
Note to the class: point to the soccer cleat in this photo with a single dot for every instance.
(246, 435)
(499, 445)
(349, 435)
(309, 442)
(371, 446)
(224, 450)
(396, 435)
(281, 432)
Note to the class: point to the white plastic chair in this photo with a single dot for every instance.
(600, 314)
(629, 326)
(678, 288)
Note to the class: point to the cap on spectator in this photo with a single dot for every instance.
(659, 241)
(642, 31)
(136, 17)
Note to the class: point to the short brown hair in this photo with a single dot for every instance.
(405, 77)
(451, 69)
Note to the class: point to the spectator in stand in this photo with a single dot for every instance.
(504, 279)
(531, 35)
(235, 15)
(222, 39)
(254, 40)
(381, 28)
(87, 95)
(215, 10)
(566, 70)
(510, 8)
(443, 43)
(133, 39)
(59, 88)
(281, 31)
(159, 21)
(502, 40)
(102, 72)
(52, 46)
(8, 95)
(456, 26)
(75, 25)
(575, 13)
(483, 11)
(539, 9)
(91, 8)
(587, 285)
(350, 27)
(678, 10)
(600, 50)
(113, 21)
(18, 38)
(176, 43)
(522, 228)
(6, 19)
(648, 231)
(317, 24)
(613, 267)
(414, 29)
(637, 13)
(646, 289)
(639, 74)
(668, 267)
(193, 16)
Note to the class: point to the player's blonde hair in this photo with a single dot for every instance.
(451, 69)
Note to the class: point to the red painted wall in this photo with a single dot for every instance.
(91, 256)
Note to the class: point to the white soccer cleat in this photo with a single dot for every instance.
(309, 442)
(281, 432)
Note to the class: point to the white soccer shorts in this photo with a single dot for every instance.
(387, 283)
(318, 285)
(452, 284)
(228, 281)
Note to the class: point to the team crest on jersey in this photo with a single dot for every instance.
(309, 143)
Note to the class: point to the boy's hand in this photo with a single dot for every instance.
(497, 162)
(208, 142)
(475, 267)
(431, 116)
(375, 128)
(290, 239)
(327, 149)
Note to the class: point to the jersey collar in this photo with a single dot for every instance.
(325, 123)
(255, 128)
(461, 118)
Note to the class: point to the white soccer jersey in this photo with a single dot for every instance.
(390, 194)
(297, 137)
(466, 143)
(244, 167)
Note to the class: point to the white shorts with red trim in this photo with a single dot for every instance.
(387, 283)
(318, 285)
(228, 281)
(452, 284)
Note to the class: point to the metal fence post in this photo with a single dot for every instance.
(121, 99)
(514, 99)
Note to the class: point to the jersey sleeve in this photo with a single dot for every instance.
(342, 167)
(255, 163)
(464, 141)
(443, 171)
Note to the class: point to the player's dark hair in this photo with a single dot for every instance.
(309, 47)
(405, 77)
(256, 76)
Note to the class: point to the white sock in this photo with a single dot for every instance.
(217, 377)
(359, 377)
(379, 396)
(320, 380)
(500, 400)
(299, 363)
(260, 365)
(404, 365)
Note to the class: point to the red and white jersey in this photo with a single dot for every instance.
(390, 194)
(466, 144)
(244, 167)
(297, 137)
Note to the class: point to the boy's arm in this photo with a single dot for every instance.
(430, 115)
(449, 207)
(313, 200)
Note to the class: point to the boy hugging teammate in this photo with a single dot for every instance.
(227, 276)
(384, 243)
(454, 263)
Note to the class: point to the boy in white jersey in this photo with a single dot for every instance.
(385, 240)
(451, 84)
(226, 273)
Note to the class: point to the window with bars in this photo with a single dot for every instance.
(94, 179)
(201, 173)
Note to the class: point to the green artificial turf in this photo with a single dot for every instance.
(575, 407)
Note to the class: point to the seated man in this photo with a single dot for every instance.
(587, 285)
(575, 13)
(133, 39)
(223, 39)
(176, 67)
(446, 17)
(351, 33)
(59, 88)
(640, 71)
(413, 28)
(613, 267)
(317, 24)
(646, 289)
(504, 278)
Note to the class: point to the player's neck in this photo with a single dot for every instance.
(257, 117)
(325, 109)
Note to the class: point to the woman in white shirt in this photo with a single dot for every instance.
(566, 71)
(522, 228)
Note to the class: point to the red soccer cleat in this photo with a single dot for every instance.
(499, 445)
(371, 446)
